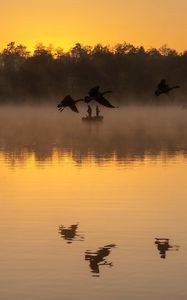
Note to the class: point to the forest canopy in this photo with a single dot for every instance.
(48, 74)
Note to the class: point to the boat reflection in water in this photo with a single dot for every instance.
(97, 259)
(163, 245)
(127, 135)
(123, 180)
(70, 233)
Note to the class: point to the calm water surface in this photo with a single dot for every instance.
(81, 206)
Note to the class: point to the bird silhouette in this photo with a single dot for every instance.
(95, 94)
(68, 102)
(163, 245)
(97, 258)
(70, 233)
(164, 88)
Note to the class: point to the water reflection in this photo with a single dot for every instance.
(130, 134)
(97, 259)
(163, 245)
(70, 233)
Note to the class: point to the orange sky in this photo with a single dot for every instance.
(63, 23)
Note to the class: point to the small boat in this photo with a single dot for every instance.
(92, 119)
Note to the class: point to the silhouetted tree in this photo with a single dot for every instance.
(48, 74)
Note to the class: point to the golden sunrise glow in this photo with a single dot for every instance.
(61, 169)
(59, 182)
(123, 204)
(63, 23)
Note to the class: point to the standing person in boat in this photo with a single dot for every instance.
(97, 111)
(89, 111)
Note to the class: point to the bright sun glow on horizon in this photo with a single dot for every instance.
(64, 23)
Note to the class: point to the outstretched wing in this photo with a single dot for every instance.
(106, 92)
(94, 91)
(104, 101)
(74, 108)
(65, 102)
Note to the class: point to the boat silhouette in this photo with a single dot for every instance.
(92, 119)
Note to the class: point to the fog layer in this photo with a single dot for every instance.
(126, 134)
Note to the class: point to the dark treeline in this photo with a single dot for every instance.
(48, 74)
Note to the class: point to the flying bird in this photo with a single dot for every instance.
(164, 88)
(95, 94)
(68, 102)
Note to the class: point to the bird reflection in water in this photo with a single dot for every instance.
(70, 233)
(163, 245)
(97, 259)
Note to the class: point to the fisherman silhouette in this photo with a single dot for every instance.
(93, 94)
(163, 246)
(70, 233)
(89, 111)
(97, 258)
(164, 88)
(97, 111)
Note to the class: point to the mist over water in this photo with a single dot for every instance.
(93, 211)
(128, 133)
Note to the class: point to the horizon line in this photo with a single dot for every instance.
(112, 46)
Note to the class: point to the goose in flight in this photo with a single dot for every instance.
(164, 88)
(68, 102)
(95, 94)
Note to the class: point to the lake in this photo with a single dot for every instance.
(82, 204)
